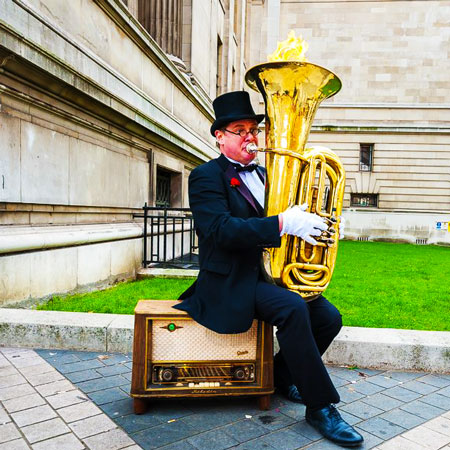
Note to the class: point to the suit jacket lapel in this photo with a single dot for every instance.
(261, 171)
(242, 188)
(230, 172)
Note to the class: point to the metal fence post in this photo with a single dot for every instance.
(144, 262)
(165, 235)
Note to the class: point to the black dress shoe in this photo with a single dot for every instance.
(329, 422)
(290, 393)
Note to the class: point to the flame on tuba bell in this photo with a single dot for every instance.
(296, 175)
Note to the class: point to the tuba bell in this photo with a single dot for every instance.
(296, 175)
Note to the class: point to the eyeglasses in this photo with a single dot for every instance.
(243, 133)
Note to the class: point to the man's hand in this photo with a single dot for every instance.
(297, 222)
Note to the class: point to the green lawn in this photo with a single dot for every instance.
(387, 285)
(122, 298)
(375, 284)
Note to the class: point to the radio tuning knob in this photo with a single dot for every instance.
(167, 375)
(239, 373)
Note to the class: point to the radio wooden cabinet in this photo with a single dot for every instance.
(174, 356)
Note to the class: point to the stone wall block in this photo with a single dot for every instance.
(138, 252)
(9, 158)
(52, 271)
(139, 179)
(98, 176)
(202, 55)
(119, 334)
(15, 273)
(94, 263)
(87, 182)
(44, 165)
(117, 180)
(14, 218)
(123, 257)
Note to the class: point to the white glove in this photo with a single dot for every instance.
(342, 228)
(298, 222)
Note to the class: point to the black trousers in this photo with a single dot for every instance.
(305, 330)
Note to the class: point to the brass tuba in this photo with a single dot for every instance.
(296, 175)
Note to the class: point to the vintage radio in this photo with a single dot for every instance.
(174, 356)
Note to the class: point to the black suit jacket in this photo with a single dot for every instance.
(231, 235)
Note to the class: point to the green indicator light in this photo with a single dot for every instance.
(171, 327)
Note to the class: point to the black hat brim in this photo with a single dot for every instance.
(224, 120)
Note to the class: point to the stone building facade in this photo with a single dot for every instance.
(100, 100)
(390, 123)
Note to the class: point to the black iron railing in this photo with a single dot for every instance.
(169, 236)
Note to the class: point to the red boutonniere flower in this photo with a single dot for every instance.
(234, 182)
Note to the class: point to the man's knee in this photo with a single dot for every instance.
(337, 323)
(334, 320)
(296, 310)
(325, 316)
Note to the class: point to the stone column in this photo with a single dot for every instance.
(163, 19)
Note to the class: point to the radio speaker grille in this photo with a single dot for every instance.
(189, 341)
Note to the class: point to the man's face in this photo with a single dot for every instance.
(233, 145)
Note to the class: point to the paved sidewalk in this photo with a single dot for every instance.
(56, 399)
(41, 409)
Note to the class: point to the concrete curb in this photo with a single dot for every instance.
(153, 272)
(387, 348)
(66, 330)
(380, 348)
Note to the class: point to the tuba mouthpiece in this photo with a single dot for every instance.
(251, 148)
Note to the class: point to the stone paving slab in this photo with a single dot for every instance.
(85, 403)
(52, 415)
(386, 406)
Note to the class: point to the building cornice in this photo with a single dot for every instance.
(134, 110)
(120, 15)
(340, 128)
(385, 105)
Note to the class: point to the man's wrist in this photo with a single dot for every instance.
(280, 222)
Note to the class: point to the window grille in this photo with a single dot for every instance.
(364, 200)
(163, 179)
(365, 157)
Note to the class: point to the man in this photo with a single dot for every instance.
(226, 198)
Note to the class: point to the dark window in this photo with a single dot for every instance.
(219, 67)
(365, 157)
(364, 200)
(163, 181)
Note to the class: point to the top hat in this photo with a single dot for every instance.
(233, 106)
